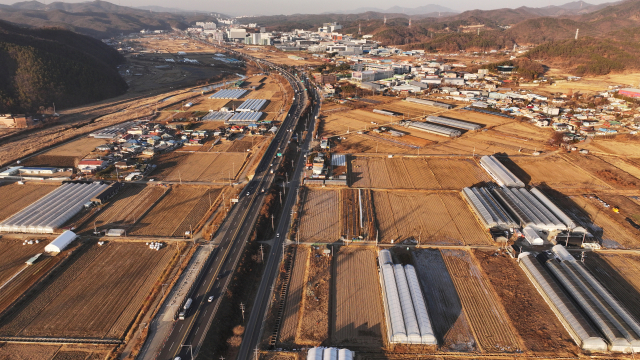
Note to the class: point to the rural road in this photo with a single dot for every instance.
(188, 335)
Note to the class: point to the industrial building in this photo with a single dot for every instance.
(499, 172)
(433, 128)
(406, 313)
(611, 319)
(323, 353)
(630, 92)
(460, 124)
(229, 94)
(61, 242)
(53, 210)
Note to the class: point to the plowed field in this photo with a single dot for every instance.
(201, 167)
(431, 173)
(294, 296)
(431, 218)
(15, 197)
(314, 320)
(486, 315)
(356, 284)
(537, 325)
(96, 295)
(182, 207)
(554, 171)
(320, 216)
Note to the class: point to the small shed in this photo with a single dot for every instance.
(61, 242)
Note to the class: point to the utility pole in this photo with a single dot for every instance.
(272, 226)
(280, 197)
(242, 309)
(255, 353)
(262, 252)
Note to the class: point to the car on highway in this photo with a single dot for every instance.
(278, 235)
(211, 298)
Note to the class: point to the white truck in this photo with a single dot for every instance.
(185, 309)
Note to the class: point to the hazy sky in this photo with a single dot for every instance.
(274, 7)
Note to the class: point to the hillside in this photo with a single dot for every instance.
(99, 19)
(39, 67)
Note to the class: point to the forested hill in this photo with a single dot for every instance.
(41, 66)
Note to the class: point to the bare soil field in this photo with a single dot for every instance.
(350, 214)
(618, 146)
(78, 148)
(356, 284)
(619, 274)
(431, 173)
(449, 321)
(555, 171)
(431, 218)
(50, 160)
(97, 295)
(609, 174)
(290, 317)
(279, 57)
(15, 197)
(537, 325)
(181, 207)
(12, 351)
(126, 208)
(319, 216)
(628, 166)
(203, 167)
(314, 320)
(486, 315)
(14, 255)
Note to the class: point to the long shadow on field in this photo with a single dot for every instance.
(449, 322)
(620, 288)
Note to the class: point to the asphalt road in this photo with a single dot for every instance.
(188, 335)
(254, 328)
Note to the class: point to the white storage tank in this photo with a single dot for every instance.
(61, 242)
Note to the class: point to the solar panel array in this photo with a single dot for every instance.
(228, 94)
(252, 105)
(247, 116)
(217, 115)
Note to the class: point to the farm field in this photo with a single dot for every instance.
(555, 171)
(313, 328)
(294, 296)
(15, 197)
(432, 173)
(611, 175)
(619, 274)
(17, 351)
(486, 315)
(97, 294)
(181, 209)
(203, 167)
(319, 216)
(537, 325)
(618, 146)
(126, 208)
(355, 284)
(449, 322)
(77, 149)
(51, 160)
(628, 166)
(432, 218)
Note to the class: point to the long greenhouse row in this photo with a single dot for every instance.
(571, 291)
(429, 103)
(405, 308)
(434, 129)
(218, 115)
(53, 210)
(228, 94)
(460, 124)
(252, 105)
(499, 172)
(329, 353)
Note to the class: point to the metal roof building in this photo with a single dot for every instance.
(61, 242)
(245, 117)
(52, 210)
(499, 172)
(429, 102)
(217, 115)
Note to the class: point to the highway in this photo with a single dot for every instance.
(188, 335)
(254, 328)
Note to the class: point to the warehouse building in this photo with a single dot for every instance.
(53, 210)
(630, 92)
